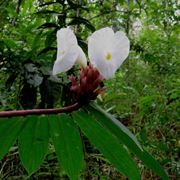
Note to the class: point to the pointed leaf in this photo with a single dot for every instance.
(149, 161)
(48, 25)
(116, 127)
(68, 145)
(107, 144)
(80, 20)
(33, 143)
(127, 138)
(9, 130)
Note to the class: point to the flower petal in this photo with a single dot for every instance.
(81, 59)
(98, 42)
(98, 60)
(102, 37)
(120, 47)
(107, 50)
(67, 50)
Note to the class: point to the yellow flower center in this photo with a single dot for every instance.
(108, 56)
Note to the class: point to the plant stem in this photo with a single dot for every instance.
(66, 109)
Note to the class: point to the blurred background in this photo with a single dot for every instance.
(144, 95)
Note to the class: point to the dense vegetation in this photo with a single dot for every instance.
(144, 95)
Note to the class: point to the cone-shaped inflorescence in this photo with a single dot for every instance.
(87, 87)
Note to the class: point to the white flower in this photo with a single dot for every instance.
(81, 59)
(68, 52)
(107, 50)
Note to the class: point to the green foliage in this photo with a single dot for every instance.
(9, 129)
(127, 138)
(105, 142)
(33, 143)
(67, 141)
(105, 132)
(144, 95)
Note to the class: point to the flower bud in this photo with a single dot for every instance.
(88, 87)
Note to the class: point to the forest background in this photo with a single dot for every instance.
(144, 95)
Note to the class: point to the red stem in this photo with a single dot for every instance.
(66, 109)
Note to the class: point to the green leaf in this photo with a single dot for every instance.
(10, 43)
(107, 144)
(9, 130)
(26, 6)
(68, 145)
(50, 38)
(153, 164)
(80, 20)
(115, 127)
(48, 25)
(37, 38)
(11, 79)
(47, 49)
(33, 143)
(127, 138)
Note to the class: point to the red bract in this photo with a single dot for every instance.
(87, 87)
